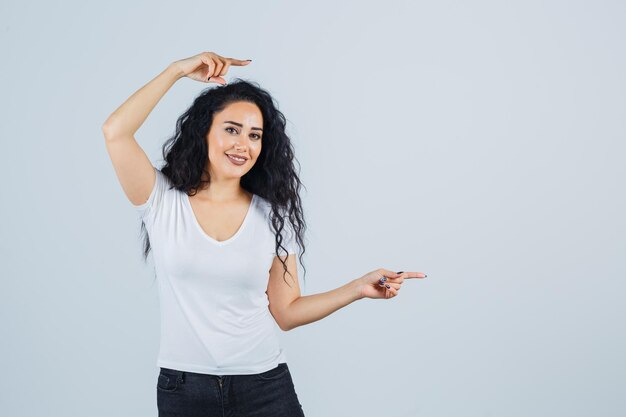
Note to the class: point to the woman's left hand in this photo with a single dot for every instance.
(383, 283)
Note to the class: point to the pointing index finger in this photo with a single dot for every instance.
(413, 274)
(416, 275)
(239, 62)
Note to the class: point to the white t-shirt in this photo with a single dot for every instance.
(215, 317)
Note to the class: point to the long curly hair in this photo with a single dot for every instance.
(272, 177)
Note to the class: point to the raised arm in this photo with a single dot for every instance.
(132, 166)
(129, 117)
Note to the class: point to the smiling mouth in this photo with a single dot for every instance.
(235, 160)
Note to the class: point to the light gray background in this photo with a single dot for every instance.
(479, 142)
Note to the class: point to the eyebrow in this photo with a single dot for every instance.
(240, 125)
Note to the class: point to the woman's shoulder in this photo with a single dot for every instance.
(263, 204)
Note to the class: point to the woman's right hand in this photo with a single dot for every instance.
(207, 64)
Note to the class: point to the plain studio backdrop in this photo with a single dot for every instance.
(479, 142)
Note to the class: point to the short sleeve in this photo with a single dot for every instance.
(155, 199)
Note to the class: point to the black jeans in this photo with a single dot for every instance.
(190, 394)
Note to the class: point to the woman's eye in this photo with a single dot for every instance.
(227, 129)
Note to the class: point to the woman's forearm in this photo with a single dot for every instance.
(310, 308)
(129, 117)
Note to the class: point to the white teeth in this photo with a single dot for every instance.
(236, 159)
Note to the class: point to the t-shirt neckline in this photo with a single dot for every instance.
(209, 238)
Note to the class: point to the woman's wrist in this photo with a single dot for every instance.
(175, 70)
(357, 288)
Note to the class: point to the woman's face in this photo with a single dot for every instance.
(236, 130)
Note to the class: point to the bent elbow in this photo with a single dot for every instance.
(284, 326)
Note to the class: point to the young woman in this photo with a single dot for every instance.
(223, 216)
